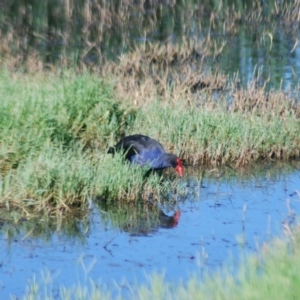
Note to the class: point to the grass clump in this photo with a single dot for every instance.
(62, 111)
(54, 137)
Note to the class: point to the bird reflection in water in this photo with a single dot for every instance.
(151, 222)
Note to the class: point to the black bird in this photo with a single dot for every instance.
(143, 150)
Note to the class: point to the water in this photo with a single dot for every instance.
(224, 217)
(256, 40)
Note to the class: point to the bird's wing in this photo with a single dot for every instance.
(137, 144)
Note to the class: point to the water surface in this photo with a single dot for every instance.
(224, 215)
(255, 40)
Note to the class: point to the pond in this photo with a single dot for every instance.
(227, 213)
(251, 40)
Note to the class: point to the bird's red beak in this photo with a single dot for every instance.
(179, 167)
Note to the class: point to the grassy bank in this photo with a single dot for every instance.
(55, 131)
(271, 274)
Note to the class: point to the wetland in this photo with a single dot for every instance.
(215, 83)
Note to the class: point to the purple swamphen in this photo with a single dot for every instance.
(143, 150)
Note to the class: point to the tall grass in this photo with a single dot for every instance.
(54, 138)
(219, 136)
(55, 132)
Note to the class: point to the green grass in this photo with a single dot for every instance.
(221, 136)
(55, 132)
(54, 137)
(271, 274)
